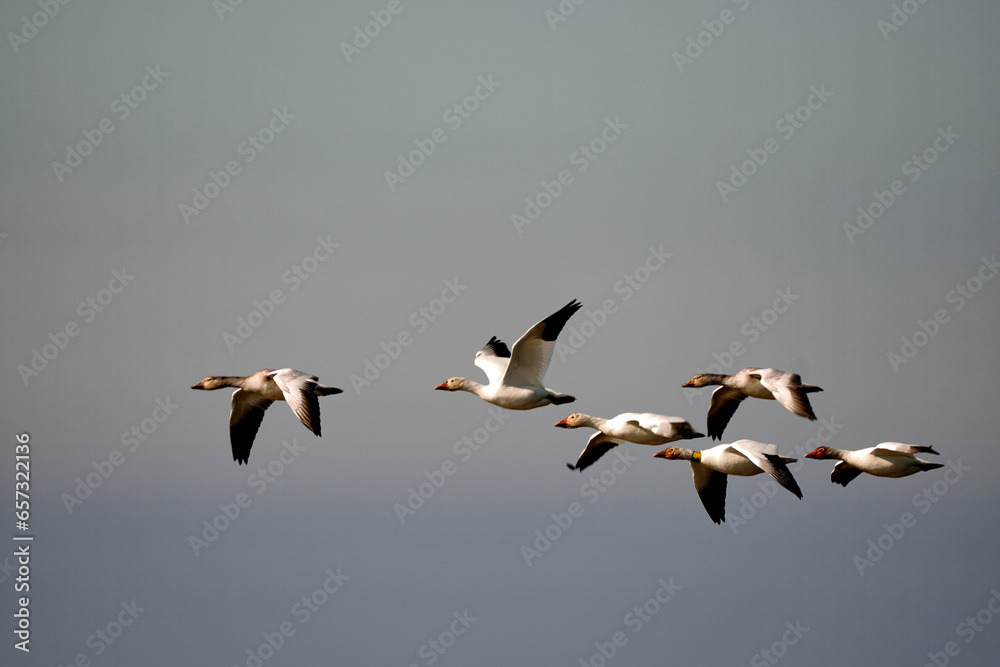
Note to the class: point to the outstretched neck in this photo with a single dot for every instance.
(471, 386)
(228, 381)
(716, 378)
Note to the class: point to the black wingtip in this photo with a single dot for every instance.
(571, 466)
(497, 347)
(555, 322)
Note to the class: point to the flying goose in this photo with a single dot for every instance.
(711, 468)
(766, 383)
(255, 393)
(641, 428)
(516, 376)
(887, 459)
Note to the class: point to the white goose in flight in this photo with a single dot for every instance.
(255, 393)
(711, 468)
(888, 459)
(516, 376)
(766, 383)
(643, 428)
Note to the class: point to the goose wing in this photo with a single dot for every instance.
(895, 448)
(530, 357)
(299, 390)
(493, 359)
(724, 404)
(667, 427)
(765, 457)
(244, 421)
(711, 487)
(787, 390)
(598, 445)
(843, 473)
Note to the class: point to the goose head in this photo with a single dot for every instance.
(820, 453)
(671, 453)
(575, 420)
(211, 382)
(453, 384)
(701, 380)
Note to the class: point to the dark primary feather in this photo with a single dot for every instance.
(722, 409)
(782, 475)
(713, 496)
(243, 429)
(592, 453)
(843, 473)
(555, 322)
(496, 347)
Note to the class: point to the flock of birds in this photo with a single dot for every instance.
(516, 383)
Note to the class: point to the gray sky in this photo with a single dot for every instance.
(280, 138)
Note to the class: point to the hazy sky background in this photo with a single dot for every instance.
(555, 87)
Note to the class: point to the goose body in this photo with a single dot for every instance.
(710, 469)
(516, 377)
(255, 393)
(765, 383)
(644, 428)
(888, 459)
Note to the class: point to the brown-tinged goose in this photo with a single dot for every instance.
(255, 393)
